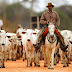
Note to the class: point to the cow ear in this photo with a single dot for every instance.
(8, 36)
(6, 31)
(69, 37)
(23, 32)
(34, 33)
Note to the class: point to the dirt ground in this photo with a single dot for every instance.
(20, 66)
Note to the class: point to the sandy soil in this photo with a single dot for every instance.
(20, 66)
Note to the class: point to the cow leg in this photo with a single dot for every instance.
(55, 57)
(3, 64)
(37, 58)
(45, 57)
(2, 60)
(7, 55)
(0, 63)
(61, 54)
(14, 56)
(64, 59)
(10, 55)
(20, 52)
(31, 60)
(69, 53)
(45, 60)
(28, 62)
(23, 53)
(41, 53)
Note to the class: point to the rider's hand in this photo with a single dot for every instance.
(47, 22)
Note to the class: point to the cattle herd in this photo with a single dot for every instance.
(18, 45)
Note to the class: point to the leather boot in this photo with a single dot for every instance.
(40, 39)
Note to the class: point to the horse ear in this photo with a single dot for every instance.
(47, 25)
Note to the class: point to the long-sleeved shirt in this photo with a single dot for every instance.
(50, 17)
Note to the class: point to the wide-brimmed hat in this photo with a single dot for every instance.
(50, 4)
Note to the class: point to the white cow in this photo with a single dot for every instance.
(28, 40)
(3, 48)
(65, 56)
(22, 32)
(12, 45)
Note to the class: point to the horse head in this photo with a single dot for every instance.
(51, 33)
(51, 29)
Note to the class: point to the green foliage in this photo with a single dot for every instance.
(65, 20)
(65, 13)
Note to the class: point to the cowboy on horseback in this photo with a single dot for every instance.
(46, 18)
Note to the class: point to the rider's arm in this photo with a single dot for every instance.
(42, 20)
(57, 20)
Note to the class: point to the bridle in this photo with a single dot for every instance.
(53, 41)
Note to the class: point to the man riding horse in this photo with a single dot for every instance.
(46, 18)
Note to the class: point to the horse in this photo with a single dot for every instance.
(50, 46)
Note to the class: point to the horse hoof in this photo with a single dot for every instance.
(61, 63)
(0, 67)
(40, 59)
(23, 59)
(38, 65)
(8, 59)
(64, 66)
(54, 64)
(30, 65)
(34, 64)
(3, 66)
(69, 63)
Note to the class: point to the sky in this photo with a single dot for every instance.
(40, 5)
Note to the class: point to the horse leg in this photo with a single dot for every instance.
(52, 58)
(49, 58)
